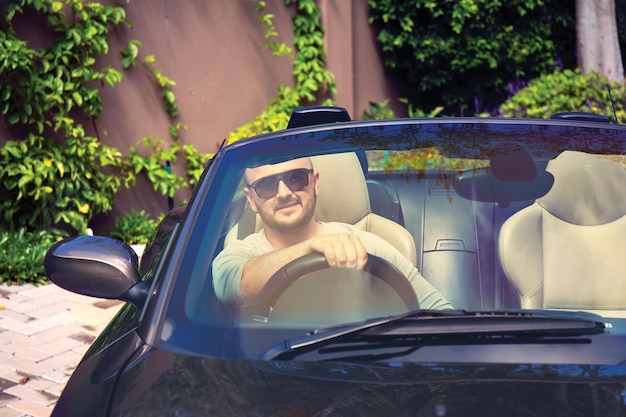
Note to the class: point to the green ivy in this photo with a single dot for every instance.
(312, 80)
(381, 111)
(43, 88)
(152, 165)
(309, 68)
(166, 84)
(54, 176)
(267, 22)
(195, 161)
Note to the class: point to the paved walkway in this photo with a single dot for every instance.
(44, 331)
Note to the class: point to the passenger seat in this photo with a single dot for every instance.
(567, 250)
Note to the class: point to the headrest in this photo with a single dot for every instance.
(343, 190)
(588, 189)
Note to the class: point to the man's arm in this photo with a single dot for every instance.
(340, 250)
(428, 296)
(241, 270)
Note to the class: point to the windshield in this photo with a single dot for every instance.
(314, 228)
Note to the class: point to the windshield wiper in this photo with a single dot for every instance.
(445, 323)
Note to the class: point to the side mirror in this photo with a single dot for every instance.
(96, 266)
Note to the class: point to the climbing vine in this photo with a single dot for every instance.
(56, 173)
(53, 174)
(313, 82)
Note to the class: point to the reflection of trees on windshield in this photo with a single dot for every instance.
(480, 140)
(412, 148)
(206, 386)
(419, 160)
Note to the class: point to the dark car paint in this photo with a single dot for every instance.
(147, 381)
(94, 380)
(160, 238)
(166, 384)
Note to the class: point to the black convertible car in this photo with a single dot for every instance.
(408, 267)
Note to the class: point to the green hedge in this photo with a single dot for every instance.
(21, 256)
(568, 90)
(470, 55)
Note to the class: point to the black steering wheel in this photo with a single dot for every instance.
(334, 292)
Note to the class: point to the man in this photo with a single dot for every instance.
(284, 195)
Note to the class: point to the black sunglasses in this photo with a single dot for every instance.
(296, 180)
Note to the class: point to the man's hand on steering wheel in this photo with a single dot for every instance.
(341, 250)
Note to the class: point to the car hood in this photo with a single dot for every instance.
(164, 384)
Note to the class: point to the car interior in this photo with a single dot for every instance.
(480, 252)
(444, 235)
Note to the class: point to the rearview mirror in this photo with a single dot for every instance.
(481, 185)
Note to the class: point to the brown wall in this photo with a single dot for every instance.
(224, 79)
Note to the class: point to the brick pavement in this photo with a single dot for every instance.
(44, 331)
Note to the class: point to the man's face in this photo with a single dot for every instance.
(288, 210)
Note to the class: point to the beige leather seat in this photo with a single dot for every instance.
(344, 198)
(568, 249)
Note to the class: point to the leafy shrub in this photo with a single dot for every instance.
(567, 90)
(378, 111)
(60, 187)
(195, 162)
(381, 111)
(56, 187)
(135, 227)
(21, 256)
(470, 53)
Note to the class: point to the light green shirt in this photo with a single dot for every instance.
(228, 265)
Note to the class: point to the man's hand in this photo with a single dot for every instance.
(340, 250)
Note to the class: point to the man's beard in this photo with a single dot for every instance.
(293, 223)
